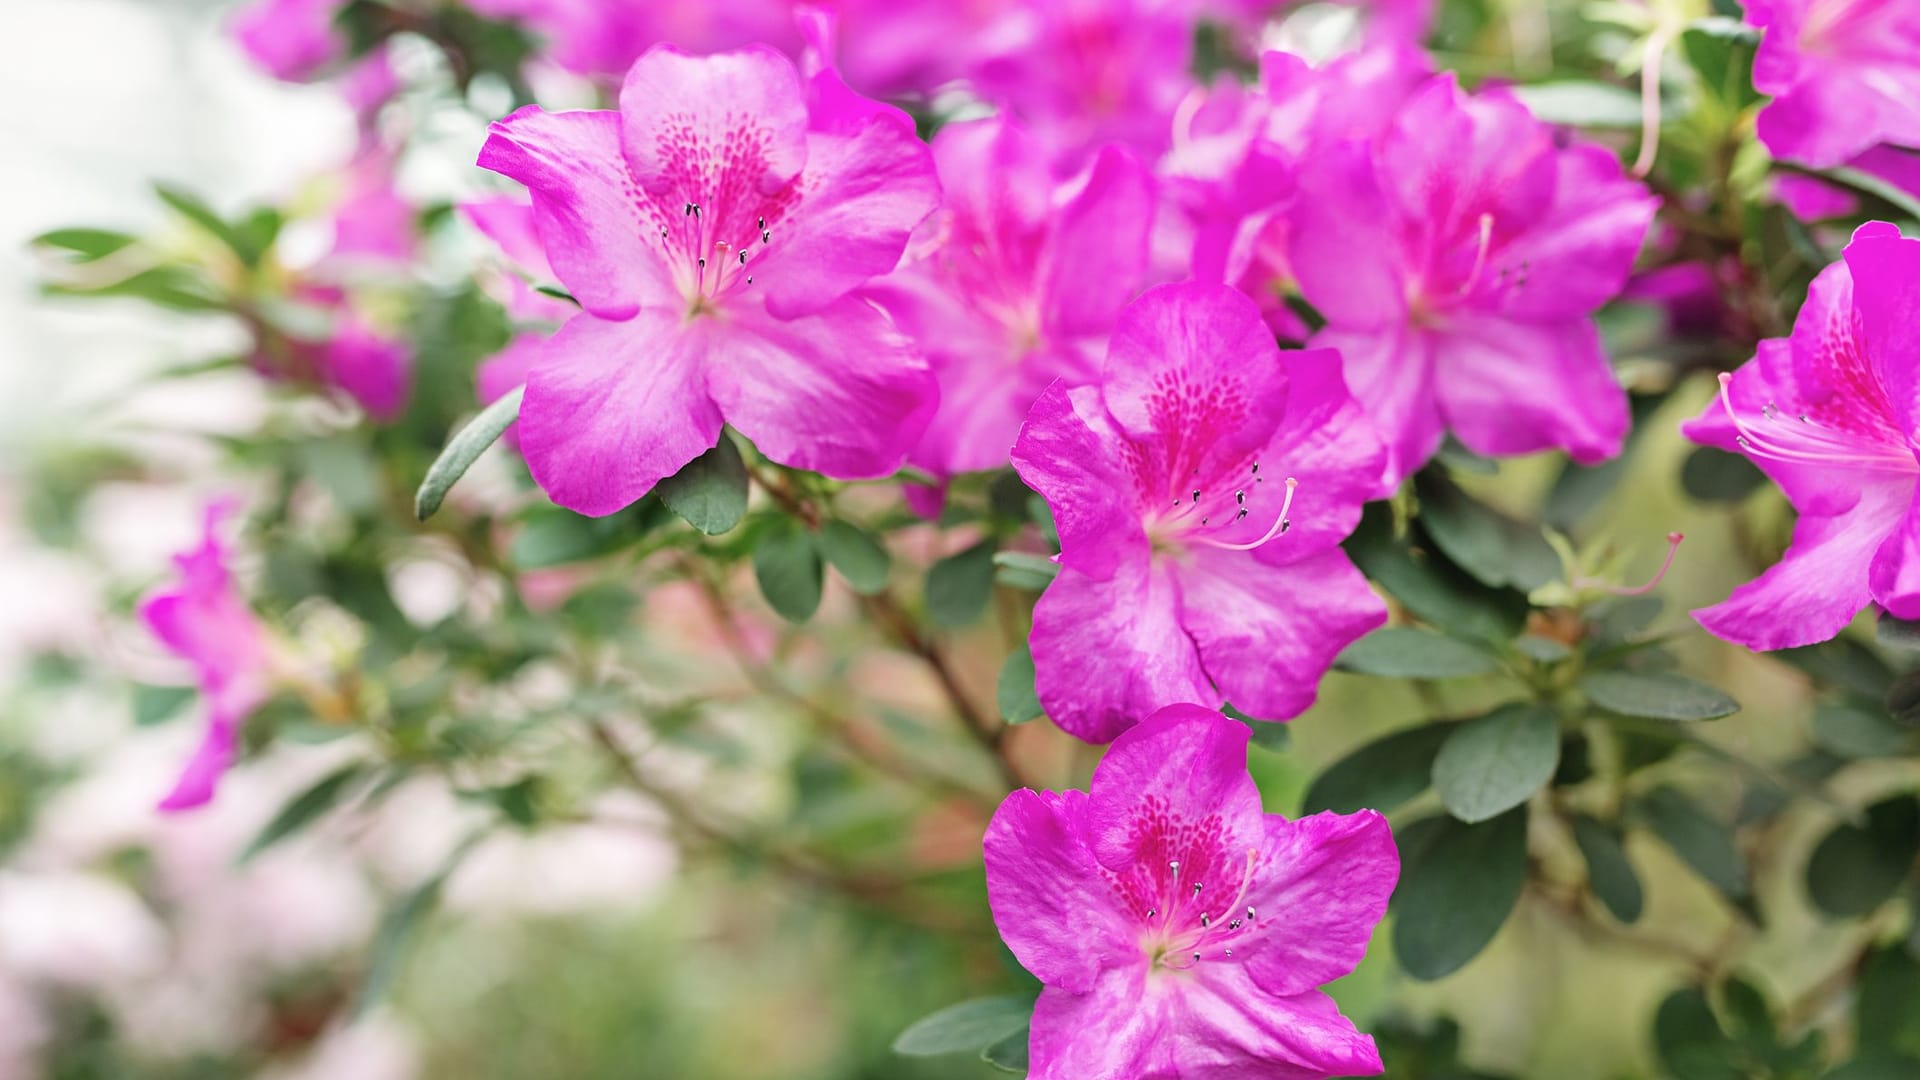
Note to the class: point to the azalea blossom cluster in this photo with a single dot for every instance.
(1203, 314)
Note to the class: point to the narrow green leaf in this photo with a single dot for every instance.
(463, 450)
(1896, 633)
(709, 492)
(1844, 663)
(152, 704)
(1267, 734)
(1492, 547)
(1701, 841)
(87, 245)
(959, 586)
(1658, 695)
(857, 555)
(1458, 884)
(1492, 764)
(194, 209)
(969, 1027)
(1869, 184)
(1382, 775)
(1582, 103)
(307, 807)
(1429, 586)
(1010, 1053)
(1014, 690)
(787, 565)
(1408, 653)
(1609, 873)
(1541, 650)
(394, 940)
(1852, 731)
(1024, 570)
(1855, 869)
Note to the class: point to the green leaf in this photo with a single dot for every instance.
(1430, 587)
(959, 586)
(1609, 873)
(1010, 1053)
(1383, 775)
(1887, 1014)
(969, 1027)
(86, 245)
(1712, 475)
(709, 492)
(1658, 695)
(398, 928)
(1869, 184)
(1014, 690)
(1855, 869)
(1896, 633)
(550, 536)
(1843, 663)
(787, 564)
(1495, 763)
(1878, 1065)
(1690, 1041)
(1408, 653)
(190, 206)
(1458, 884)
(345, 469)
(1852, 731)
(174, 287)
(1541, 650)
(1024, 571)
(1267, 734)
(1723, 55)
(1701, 841)
(857, 555)
(152, 704)
(463, 450)
(1582, 103)
(1903, 700)
(307, 807)
(1492, 547)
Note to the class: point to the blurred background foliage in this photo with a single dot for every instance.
(615, 797)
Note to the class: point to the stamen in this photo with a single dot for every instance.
(1673, 547)
(1480, 254)
(1824, 449)
(1280, 525)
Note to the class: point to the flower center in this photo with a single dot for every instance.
(1217, 516)
(1186, 928)
(709, 258)
(1801, 441)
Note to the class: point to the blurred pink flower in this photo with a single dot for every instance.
(290, 39)
(1190, 568)
(1813, 199)
(1844, 75)
(714, 230)
(1179, 931)
(1829, 414)
(204, 619)
(1016, 282)
(1458, 258)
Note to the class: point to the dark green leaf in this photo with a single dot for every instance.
(1852, 731)
(1702, 842)
(1382, 775)
(152, 704)
(1903, 700)
(1495, 549)
(550, 536)
(968, 1027)
(1580, 489)
(1267, 734)
(1455, 455)
(857, 555)
(709, 492)
(1658, 695)
(1887, 1015)
(959, 586)
(1458, 884)
(1869, 184)
(87, 245)
(189, 206)
(1712, 475)
(1025, 571)
(1431, 588)
(1878, 1065)
(1723, 55)
(464, 449)
(1855, 869)
(1541, 650)
(1010, 1053)
(1690, 1041)
(1495, 763)
(1409, 653)
(307, 807)
(1897, 633)
(1609, 873)
(787, 565)
(1843, 663)
(1014, 690)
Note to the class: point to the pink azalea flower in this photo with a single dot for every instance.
(1180, 931)
(290, 39)
(605, 37)
(714, 230)
(508, 221)
(1829, 414)
(1458, 259)
(1843, 74)
(1017, 283)
(1191, 569)
(1813, 199)
(204, 619)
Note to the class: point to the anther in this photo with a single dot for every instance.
(766, 236)
(743, 258)
(1196, 888)
(703, 264)
(1229, 954)
(1196, 494)
(1249, 911)
(763, 223)
(1196, 958)
(1240, 496)
(1234, 925)
(1205, 919)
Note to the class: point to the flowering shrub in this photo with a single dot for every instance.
(1087, 538)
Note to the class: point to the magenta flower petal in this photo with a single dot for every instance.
(1510, 387)
(1844, 75)
(290, 39)
(1236, 1031)
(1185, 764)
(1047, 893)
(1119, 1030)
(595, 233)
(1260, 645)
(1106, 653)
(201, 776)
(613, 407)
(732, 123)
(1818, 586)
(1099, 245)
(1069, 452)
(375, 369)
(839, 392)
(1334, 873)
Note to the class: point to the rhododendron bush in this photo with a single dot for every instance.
(1092, 539)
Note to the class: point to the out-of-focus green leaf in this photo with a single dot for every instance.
(1431, 588)
(856, 555)
(86, 245)
(1410, 653)
(959, 586)
(1582, 103)
(969, 1027)
(1712, 475)
(152, 704)
(464, 449)
(1382, 775)
(1014, 689)
(1025, 571)
(1658, 695)
(787, 564)
(709, 492)
(1701, 841)
(1458, 884)
(1855, 869)
(1852, 731)
(1609, 872)
(1496, 762)
(1690, 1041)
(1492, 547)
(308, 806)
(1010, 1053)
